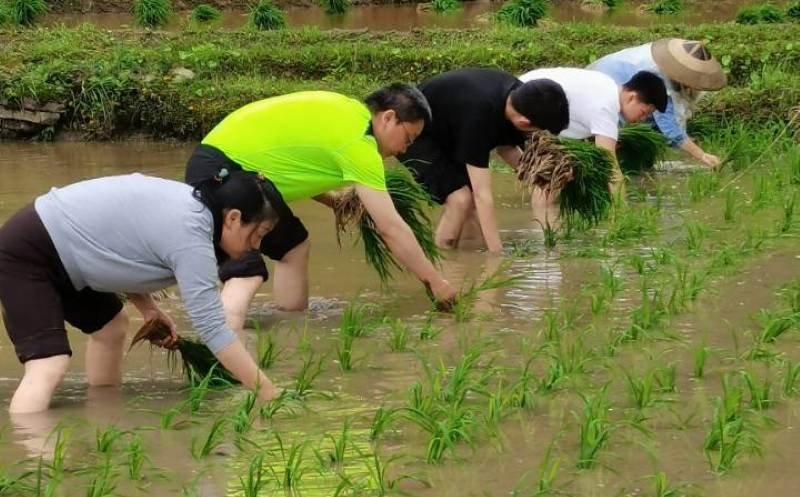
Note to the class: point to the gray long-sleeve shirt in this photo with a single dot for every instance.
(139, 234)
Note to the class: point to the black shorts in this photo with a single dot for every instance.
(439, 174)
(205, 162)
(37, 295)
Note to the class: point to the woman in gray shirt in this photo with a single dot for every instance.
(66, 257)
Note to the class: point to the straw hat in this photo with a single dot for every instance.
(689, 63)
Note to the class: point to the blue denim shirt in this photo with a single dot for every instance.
(622, 65)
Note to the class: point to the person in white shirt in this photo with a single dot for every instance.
(597, 104)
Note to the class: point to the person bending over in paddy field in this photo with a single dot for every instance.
(307, 145)
(476, 111)
(66, 256)
(596, 106)
(688, 70)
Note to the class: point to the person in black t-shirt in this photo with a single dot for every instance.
(476, 111)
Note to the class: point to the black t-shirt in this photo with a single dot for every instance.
(469, 113)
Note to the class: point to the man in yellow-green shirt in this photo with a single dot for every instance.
(308, 144)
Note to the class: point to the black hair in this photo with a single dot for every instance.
(649, 88)
(544, 103)
(241, 190)
(406, 101)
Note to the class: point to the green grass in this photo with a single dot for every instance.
(151, 13)
(204, 13)
(522, 13)
(265, 16)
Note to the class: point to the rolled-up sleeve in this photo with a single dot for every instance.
(669, 127)
(195, 270)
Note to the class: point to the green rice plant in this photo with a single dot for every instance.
(411, 201)
(763, 191)
(724, 257)
(522, 249)
(793, 164)
(544, 483)
(765, 13)
(429, 330)
(102, 483)
(267, 349)
(790, 376)
(627, 223)
(198, 388)
(700, 356)
(358, 318)
(166, 419)
(521, 392)
(204, 13)
(309, 372)
(522, 13)
(398, 339)
(549, 234)
(661, 488)
(497, 404)
(445, 5)
(340, 444)
(136, 457)
(151, 13)
(696, 232)
(16, 485)
(253, 482)
(639, 147)
(27, 12)
(291, 464)
(730, 438)
(265, 16)
(732, 203)
(242, 419)
(664, 7)
(216, 434)
(641, 389)
(793, 11)
(378, 482)
(663, 256)
(609, 281)
(647, 316)
(728, 408)
(335, 6)
(785, 223)
(380, 421)
(105, 439)
(281, 402)
(595, 428)
(344, 351)
(447, 426)
(467, 296)
(687, 284)
(701, 184)
(760, 391)
(665, 378)
(774, 326)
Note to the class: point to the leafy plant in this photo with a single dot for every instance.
(335, 6)
(445, 5)
(793, 11)
(151, 13)
(265, 16)
(522, 13)
(665, 7)
(204, 13)
(27, 12)
(766, 13)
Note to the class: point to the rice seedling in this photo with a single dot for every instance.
(765, 13)
(785, 223)
(521, 392)
(522, 249)
(638, 263)
(731, 435)
(462, 308)
(728, 408)
(216, 434)
(16, 485)
(772, 327)
(701, 185)
(609, 281)
(412, 203)
(763, 191)
(696, 232)
(627, 223)
(664, 7)
(639, 147)
(335, 6)
(204, 13)
(105, 439)
(641, 389)
(344, 351)
(731, 206)
(446, 426)
(724, 257)
(791, 374)
(754, 239)
(266, 16)
(576, 170)
(522, 13)
(647, 316)
(661, 488)
(196, 358)
(700, 356)
(496, 406)
(378, 482)
(429, 330)
(665, 378)
(27, 12)
(760, 391)
(793, 164)
(662, 256)
(380, 421)
(151, 13)
(242, 419)
(102, 483)
(291, 464)
(445, 5)
(309, 372)
(167, 421)
(253, 482)
(595, 428)
(793, 11)
(198, 388)
(549, 234)
(398, 338)
(281, 402)
(340, 444)
(136, 457)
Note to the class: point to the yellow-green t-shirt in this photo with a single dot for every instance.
(306, 143)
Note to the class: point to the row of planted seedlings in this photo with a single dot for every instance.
(463, 401)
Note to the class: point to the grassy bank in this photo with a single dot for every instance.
(118, 82)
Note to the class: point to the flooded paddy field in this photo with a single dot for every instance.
(654, 355)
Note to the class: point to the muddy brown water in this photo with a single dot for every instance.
(549, 280)
(406, 17)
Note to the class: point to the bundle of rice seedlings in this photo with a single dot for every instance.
(412, 203)
(639, 147)
(576, 170)
(151, 13)
(204, 13)
(522, 13)
(266, 16)
(196, 358)
(27, 12)
(445, 5)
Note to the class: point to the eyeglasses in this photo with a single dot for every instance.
(409, 140)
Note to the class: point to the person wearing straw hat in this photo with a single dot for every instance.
(688, 69)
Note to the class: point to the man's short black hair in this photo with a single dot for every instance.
(649, 88)
(406, 101)
(544, 103)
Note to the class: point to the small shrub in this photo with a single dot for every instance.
(27, 12)
(445, 5)
(757, 14)
(266, 16)
(522, 13)
(335, 6)
(151, 13)
(665, 7)
(793, 11)
(204, 13)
